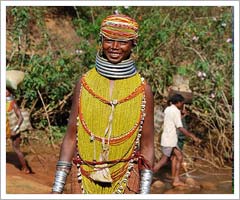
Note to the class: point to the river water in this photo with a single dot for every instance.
(198, 181)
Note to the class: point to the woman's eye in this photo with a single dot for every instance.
(123, 42)
(109, 41)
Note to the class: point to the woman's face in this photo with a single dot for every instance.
(116, 51)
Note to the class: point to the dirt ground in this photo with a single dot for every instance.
(42, 158)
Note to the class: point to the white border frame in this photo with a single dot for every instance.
(235, 4)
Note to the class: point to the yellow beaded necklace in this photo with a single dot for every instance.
(93, 119)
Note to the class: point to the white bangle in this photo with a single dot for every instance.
(16, 128)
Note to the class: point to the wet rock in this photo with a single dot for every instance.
(192, 183)
(208, 185)
(158, 187)
(158, 184)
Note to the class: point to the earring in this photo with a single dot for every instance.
(133, 55)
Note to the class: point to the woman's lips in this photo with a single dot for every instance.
(114, 54)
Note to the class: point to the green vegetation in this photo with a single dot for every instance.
(195, 42)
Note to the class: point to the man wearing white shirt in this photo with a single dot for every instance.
(169, 138)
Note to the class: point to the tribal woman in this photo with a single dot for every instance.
(109, 137)
(14, 120)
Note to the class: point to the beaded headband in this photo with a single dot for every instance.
(119, 27)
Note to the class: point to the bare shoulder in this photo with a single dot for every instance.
(148, 91)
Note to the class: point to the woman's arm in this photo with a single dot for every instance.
(147, 139)
(69, 141)
(147, 143)
(68, 146)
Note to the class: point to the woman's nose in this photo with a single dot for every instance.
(115, 44)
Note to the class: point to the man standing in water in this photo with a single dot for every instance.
(169, 138)
(111, 120)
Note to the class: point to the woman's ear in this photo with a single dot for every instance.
(134, 43)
